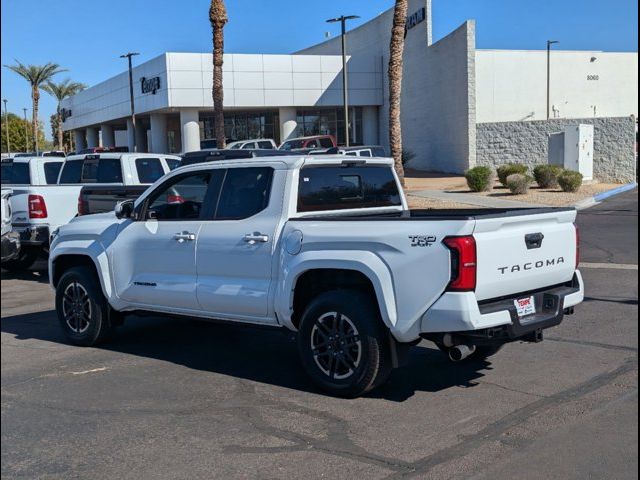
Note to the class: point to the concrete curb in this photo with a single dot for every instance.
(616, 191)
(598, 198)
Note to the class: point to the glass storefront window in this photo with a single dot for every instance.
(330, 121)
(243, 126)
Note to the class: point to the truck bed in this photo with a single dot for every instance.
(437, 214)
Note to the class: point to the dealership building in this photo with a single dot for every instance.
(461, 106)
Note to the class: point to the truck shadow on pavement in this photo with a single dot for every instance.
(259, 354)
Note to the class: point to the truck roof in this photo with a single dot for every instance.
(293, 161)
(119, 155)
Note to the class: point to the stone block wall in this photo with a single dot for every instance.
(527, 142)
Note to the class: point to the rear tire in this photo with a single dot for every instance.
(343, 344)
(82, 309)
(24, 260)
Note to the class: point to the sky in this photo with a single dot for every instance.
(88, 36)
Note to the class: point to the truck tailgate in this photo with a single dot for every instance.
(524, 252)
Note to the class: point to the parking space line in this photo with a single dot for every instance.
(611, 266)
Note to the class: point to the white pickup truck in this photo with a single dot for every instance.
(325, 247)
(45, 198)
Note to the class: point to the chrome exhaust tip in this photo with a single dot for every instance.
(460, 352)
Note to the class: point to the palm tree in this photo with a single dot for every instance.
(396, 50)
(36, 75)
(218, 18)
(60, 91)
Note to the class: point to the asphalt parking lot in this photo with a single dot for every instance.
(182, 399)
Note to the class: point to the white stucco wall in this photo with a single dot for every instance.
(511, 85)
(250, 81)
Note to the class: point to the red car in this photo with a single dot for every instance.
(303, 143)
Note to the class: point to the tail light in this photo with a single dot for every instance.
(37, 207)
(175, 199)
(463, 263)
(577, 245)
(81, 209)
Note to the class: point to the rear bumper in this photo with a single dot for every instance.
(33, 235)
(461, 313)
(10, 246)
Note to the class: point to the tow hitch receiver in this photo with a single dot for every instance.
(534, 337)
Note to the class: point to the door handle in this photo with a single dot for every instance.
(255, 237)
(184, 237)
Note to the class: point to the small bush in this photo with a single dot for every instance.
(547, 175)
(480, 179)
(510, 169)
(407, 156)
(570, 181)
(518, 183)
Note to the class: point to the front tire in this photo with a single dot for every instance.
(82, 309)
(343, 344)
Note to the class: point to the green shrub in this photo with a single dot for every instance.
(510, 169)
(518, 183)
(570, 181)
(547, 175)
(480, 179)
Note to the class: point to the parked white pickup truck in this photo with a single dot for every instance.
(10, 239)
(326, 247)
(44, 200)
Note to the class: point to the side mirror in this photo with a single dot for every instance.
(124, 209)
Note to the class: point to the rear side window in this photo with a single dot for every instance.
(340, 188)
(326, 142)
(51, 171)
(245, 192)
(71, 171)
(379, 152)
(365, 153)
(265, 145)
(149, 169)
(16, 173)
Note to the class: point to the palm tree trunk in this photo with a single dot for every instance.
(59, 129)
(35, 98)
(396, 50)
(218, 18)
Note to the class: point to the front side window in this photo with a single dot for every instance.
(172, 163)
(149, 169)
(265, 145)
(292, 145)
(326, 142)
(181, 199)
(339, 188)
(245, 192)
(51, 171)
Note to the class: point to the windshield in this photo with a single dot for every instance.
(292, 145)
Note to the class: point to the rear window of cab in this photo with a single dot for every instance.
(324, 188)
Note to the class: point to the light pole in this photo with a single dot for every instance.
(345, 88)
(6, 122)
(549, 43)
(26, 131)
(133, 110)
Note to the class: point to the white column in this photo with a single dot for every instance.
(159, 133)
(131, 137)
(79, 140)
(108, 136)
(141, 137)
(370, 126)
(92, 137)
(288, 123)
(190, 130)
